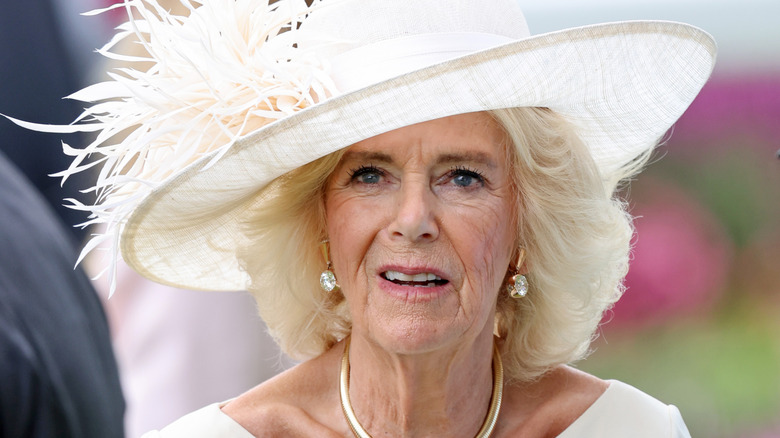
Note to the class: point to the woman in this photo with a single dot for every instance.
(426, 225)
(459, 173)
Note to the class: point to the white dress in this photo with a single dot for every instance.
(622, 411)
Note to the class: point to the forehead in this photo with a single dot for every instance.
(469, 134)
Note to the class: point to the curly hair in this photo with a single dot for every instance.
(576, 233)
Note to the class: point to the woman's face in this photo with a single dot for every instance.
(421, 231)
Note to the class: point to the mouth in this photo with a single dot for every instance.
(423, 279)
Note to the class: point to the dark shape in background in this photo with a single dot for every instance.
(38, 67)
(58, 376)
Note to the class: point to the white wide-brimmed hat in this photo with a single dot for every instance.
(233, 101)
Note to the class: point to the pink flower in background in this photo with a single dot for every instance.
(681, 259)
(728, 108)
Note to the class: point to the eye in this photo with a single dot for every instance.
(366, 175)
(464, 177)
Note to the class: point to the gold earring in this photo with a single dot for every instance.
(517, 286)
(328, 281)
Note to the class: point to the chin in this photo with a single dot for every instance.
(416, 320)
(413, 335)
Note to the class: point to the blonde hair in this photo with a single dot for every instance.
(574, 230)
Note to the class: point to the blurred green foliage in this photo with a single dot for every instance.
(722, 373)
(741, 186)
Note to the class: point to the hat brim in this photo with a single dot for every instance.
(622, 84)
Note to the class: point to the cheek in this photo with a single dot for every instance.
(485, 244)
(351, 227)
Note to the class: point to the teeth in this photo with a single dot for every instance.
(417, 278)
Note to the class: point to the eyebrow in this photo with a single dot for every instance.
(367, 156)
(470, 157)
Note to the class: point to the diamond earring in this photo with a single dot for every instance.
(517, 286)
(327, 278)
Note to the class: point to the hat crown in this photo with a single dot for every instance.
(370, 21)
(375, 40)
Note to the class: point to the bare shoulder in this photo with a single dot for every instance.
(302, 401)
(547, 406)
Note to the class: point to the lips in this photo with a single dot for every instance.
(422, 279)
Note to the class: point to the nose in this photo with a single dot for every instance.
(415, 218)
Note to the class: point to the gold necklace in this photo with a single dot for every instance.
(484, 431)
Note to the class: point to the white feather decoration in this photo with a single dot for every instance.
(226, 69)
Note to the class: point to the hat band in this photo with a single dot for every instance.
(376, 62)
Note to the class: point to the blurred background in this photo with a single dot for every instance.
(176, 350)
(698, 326)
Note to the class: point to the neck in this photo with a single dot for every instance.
(440, 393)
